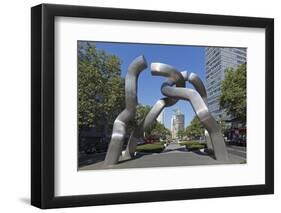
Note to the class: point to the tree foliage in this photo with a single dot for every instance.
(233, 96)
(141, 112)
(100, 87)
(181, 133)
(222, 125)
(160, 130)
(155, 129)
(195, 129)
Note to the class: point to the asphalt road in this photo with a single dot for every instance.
(237, 150)
(173, 155)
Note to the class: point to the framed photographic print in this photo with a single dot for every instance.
(139, 106)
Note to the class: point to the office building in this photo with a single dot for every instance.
(177, 123)
(217, 60)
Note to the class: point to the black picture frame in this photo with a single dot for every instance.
(43, 117)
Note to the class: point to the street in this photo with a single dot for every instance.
(173, 155)
(237, 150)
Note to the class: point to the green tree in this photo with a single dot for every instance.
(182, 133)
(160, 130)
(222, 125)
(141, 112)
(233, 96)
(100, 87)
(156, 128)
(195, 129)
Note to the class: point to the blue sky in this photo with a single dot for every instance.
(189, 58)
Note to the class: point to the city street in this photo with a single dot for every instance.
(237, 150)
(173, 155)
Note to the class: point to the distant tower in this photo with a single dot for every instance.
(161, 117)
(177, 123)
(173, 126)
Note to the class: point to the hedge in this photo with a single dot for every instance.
(195, 146)
(192, 145)
(151, 148)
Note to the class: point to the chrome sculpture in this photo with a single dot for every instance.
(139, 131)
(120, 124)
(201, 110)
(197, 98)
(200, 88)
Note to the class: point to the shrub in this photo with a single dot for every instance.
(183, 143)
(192, 145)
(195, 146)
(151, 148)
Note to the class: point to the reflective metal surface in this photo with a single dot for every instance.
(120, 124)
(200, 88)
(198, 100)
(170, 72)
(138, 132)
(202, 112)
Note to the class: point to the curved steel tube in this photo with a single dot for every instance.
(120, 124)
(196, 81)
(138, 132)
(202, 113)
(160, 69)
(200, 88)
(164, 70)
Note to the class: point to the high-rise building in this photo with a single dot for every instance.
(217, 60)
(177, 123)
(161, 117)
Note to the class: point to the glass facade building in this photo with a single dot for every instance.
(177, 123)
(217, 60)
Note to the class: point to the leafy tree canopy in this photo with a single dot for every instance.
(160, 130)
(233, 96)
(181, 133)
(100, 87)
(156, 128)
(195, 129)
(141, 112)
